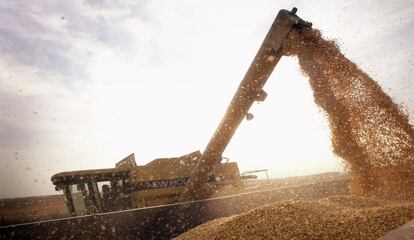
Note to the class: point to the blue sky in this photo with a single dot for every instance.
(85, 83)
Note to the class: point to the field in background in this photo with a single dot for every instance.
(30, 209)
(263, 184)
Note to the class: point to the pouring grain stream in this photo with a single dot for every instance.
(368, 130)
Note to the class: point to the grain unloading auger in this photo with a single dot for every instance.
(249, 91)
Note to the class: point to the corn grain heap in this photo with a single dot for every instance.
(332, 218)
(368, 130)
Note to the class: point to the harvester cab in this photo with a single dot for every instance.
(93, 191)
(190, 177)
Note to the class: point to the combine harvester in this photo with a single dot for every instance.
(190, 177)
(166, 197)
